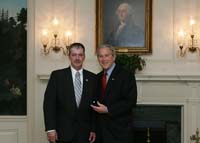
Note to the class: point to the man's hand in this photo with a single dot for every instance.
(52, 136)
(92, 137)
(100, 108)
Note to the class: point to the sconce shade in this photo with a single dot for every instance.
(55, 35)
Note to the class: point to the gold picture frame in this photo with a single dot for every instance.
(136, 34)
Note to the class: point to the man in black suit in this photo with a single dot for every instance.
(116, 101)
(67, 113)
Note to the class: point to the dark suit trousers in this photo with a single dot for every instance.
(74, 140)
(64, 142)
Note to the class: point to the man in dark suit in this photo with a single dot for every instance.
(116, 100)
(67, 113)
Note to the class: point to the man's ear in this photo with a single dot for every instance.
(114, 57)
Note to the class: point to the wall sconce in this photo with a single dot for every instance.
(51, 39)
(188, 43)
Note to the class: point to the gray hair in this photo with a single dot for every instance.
(110, 47)
(127, 6)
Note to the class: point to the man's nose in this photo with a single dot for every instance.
(77, 57)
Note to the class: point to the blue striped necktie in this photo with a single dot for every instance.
(77, 88)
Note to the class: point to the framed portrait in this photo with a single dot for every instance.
(125, 24)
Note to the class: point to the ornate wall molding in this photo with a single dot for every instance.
(151, 77)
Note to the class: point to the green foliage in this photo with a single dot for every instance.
(131, 62)
(13, 55)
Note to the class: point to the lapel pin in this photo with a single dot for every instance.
(113, 79)
(86, 79)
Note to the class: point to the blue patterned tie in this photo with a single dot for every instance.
(77, 88)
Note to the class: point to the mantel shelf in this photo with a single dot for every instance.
(151, 77)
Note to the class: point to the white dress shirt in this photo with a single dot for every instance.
(73, 75)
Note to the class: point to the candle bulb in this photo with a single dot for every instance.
(55, 24)
(44, 32)
(192, 22)
(67, 39)
(45, 39)
(55, 21)
(181, 35)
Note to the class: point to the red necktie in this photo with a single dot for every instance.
(103, 83)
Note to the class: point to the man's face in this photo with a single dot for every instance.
(76, 57)
(122, 12)
(105, 58)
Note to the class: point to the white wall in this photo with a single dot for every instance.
(168, 17)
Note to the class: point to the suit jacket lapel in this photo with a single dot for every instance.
(85, 87)
(111, 79)
(99, 86)
(70, 92)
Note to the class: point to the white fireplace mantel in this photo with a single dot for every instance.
(152, 77)
(168, 89)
